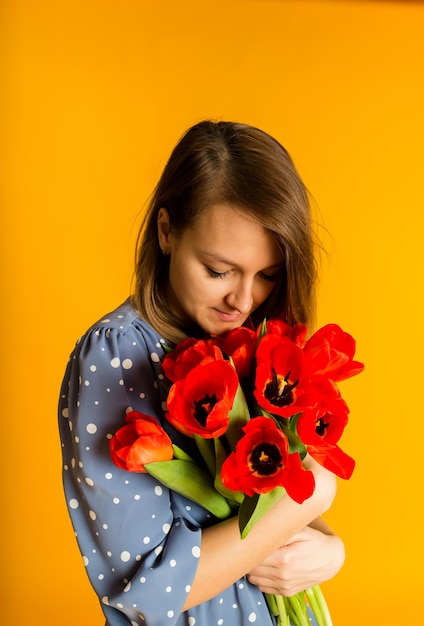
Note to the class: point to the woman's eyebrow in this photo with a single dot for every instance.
(220, 259)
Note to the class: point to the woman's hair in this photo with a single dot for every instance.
(244, 167)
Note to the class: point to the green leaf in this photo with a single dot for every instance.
(239, 416)
(189, 480)
(180, 454)
(253, 508)
(221, 454)
(207, 450)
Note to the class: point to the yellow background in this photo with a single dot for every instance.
(96, 94)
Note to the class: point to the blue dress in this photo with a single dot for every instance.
(139, 541)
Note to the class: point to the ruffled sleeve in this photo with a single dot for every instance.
(140, 543)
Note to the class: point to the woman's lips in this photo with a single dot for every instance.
(228, 317)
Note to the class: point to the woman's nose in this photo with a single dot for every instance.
(241, 297)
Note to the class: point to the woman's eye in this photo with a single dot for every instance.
(272, 278)
(214, 274)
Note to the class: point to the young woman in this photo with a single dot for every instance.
(226, 241)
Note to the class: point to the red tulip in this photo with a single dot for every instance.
(200, 403)
(296, 333)
(278, 376)
(261, 462)
(142, 440)
(240, 345)
(329, 352)
(320, 428)
(187, 355)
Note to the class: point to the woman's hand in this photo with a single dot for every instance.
(313, 555)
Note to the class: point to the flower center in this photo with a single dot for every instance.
(203, 407)
(321, 427)
(278, 390)
(265, 460)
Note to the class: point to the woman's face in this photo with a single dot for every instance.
(221, 269)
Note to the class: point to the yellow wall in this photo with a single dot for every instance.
(97, 92)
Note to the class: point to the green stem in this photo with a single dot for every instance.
(327, 621)
(315, 605)
(283, 618)
(298, 605)
(272, 604)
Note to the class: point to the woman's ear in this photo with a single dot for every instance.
(164, 231)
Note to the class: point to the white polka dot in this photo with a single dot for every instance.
(155, 358)
(164, 406)
(92, 515)
(93, 368)
(158, 550)
(137, 496)
(121, 382)
(196, 552)
(100, 576)
(127, 588)
(115, 362)
(172, 562)
(105, 321)
(85, 561)
(108, 476)
(74, 504)
(158, 490)
(125, 556)
(168, 589)
(116, 501)
(91, 428)
(220, 622)
(252, 618)
(188, 588)
(191, 621)
(119, 605)
(127, 364)
(166, 528)
(170, 614)
(87, 383)
(142, 579)
(105, 526)
(65, 412)
(146, 540)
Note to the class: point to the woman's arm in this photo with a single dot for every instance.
(225, 557)
(310, 557)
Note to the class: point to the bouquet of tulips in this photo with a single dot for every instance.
(255, 403)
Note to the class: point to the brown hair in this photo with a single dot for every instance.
(242, 166)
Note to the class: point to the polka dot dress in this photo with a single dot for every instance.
(140, 542)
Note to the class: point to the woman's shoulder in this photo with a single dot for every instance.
(120, 327)
(124, 319)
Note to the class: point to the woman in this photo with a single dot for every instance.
(226, 241)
